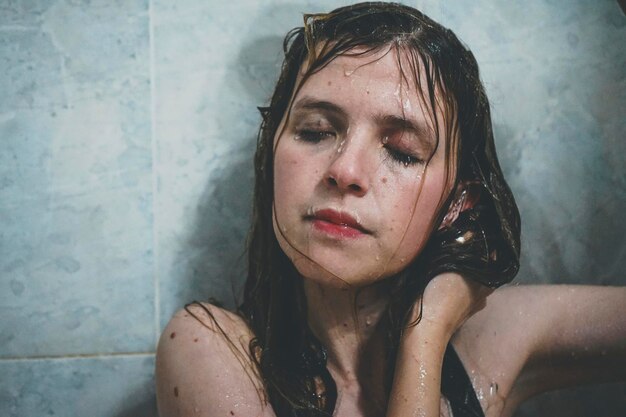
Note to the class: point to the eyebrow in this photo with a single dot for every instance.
(419, 129)
(309, 103)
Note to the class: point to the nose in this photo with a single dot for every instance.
(347, 171)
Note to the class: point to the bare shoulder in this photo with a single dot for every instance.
(511, 345)
(204, 368)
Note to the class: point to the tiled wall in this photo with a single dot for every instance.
(126, 136)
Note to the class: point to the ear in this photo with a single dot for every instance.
(466, 196)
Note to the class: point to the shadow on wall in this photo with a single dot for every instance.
(146, 408)
(213, 257)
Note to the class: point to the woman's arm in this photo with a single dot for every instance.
(579, 337)
(201, 372)
(532, 339)
(526, 340)
(447, 302)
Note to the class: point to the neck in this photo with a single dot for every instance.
(346, 321)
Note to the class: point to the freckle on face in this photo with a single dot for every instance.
(392, 198)
(173, 335)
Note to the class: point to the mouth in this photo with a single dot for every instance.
(337, 224)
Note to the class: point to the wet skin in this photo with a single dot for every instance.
(359, 173)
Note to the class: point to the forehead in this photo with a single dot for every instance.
(384, 81)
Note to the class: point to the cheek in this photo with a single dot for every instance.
(285, 179)
(294, 181)
(416, 214)
(284, 183)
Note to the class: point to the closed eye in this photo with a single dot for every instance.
(402, 157)
(314, 136)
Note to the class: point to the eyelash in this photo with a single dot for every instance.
(313, 136)
(403, 158)
(316, 136)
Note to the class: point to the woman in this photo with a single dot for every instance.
(381, 225)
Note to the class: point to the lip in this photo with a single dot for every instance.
(337, 224)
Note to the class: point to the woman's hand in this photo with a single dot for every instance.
(448, 301)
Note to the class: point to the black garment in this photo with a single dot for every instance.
(457, 387)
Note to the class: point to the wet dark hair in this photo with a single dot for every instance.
(482, 243)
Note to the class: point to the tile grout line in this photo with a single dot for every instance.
(155, 240)
(75, 356)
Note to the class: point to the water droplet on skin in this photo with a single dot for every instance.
(348, 73)
(340, 148)
(479, 394)
(493, 389)
(407, 106)
(423, 373)
(385, 140)
(397, 93)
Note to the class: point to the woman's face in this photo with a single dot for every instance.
(358, 173)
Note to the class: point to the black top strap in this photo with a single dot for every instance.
(457, 387)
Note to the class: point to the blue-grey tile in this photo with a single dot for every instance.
(75, 179)
(102, 387)
(77, 274)
(541, 30)
(556, 83)
(559, 142)
(212, 68)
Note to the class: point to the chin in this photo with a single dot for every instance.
(345, 278)
(335, 268)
